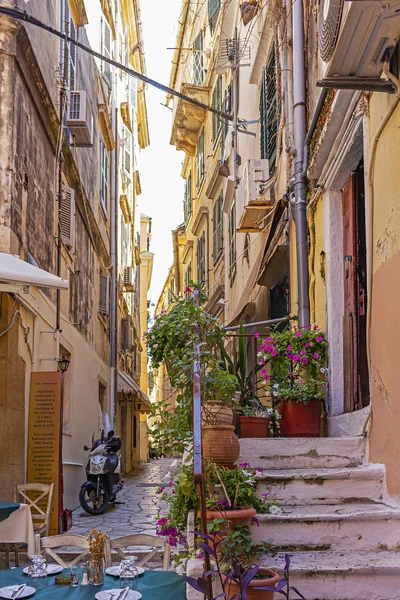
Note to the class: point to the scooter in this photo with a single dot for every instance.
(103, 475)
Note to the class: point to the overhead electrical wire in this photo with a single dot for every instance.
(22, 15)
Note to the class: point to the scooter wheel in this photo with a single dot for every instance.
(93, 504)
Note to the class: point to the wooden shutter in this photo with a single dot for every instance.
(67, 216)
(106, 50)
(127, 158)
(198, 60)
(213, 11)
(232, 243)
(201, 259)
(269, 110)
(103, 175)
(218, 232)
(200, 161)
(104, 293)
(133, 92)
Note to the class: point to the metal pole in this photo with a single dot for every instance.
(269, 322)
(114, 255)
(235, 100)
(300, 184)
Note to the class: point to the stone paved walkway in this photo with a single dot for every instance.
(141, 504)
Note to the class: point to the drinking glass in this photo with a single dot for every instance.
(38, 572)
(128, 574)
(75, 576)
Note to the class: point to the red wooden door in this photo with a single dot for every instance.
(350, 294)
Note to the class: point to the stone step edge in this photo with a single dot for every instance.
(367, 471)
(363, 515)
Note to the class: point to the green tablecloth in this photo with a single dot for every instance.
(6, 508)
(153, 585)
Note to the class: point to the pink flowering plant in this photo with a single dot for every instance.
(295, 364)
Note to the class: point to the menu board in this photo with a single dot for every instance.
(44, 436)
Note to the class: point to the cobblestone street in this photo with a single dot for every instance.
(141, 506)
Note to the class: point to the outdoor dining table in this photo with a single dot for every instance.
(16, 525)
(153, 585)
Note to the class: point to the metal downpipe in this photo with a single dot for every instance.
(300, 184)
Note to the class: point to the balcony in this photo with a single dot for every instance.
(188, 119)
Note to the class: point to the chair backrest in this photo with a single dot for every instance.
(48, 544)
(39, 497)
(152, 541)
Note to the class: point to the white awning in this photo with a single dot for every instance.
(17, 272)
(126, 384)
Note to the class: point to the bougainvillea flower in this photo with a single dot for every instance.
(319, 338)
(299, 334)
(315, 355)
(256, 335)
(162, 521)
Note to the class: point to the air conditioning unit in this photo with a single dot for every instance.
(80, 119)
(128, 279)
(355, 40)
(255, 175)
(257, 196)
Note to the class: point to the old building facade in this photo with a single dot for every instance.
(69, 122)
(240, 195)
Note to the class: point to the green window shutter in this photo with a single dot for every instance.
(214, 7)
(218, 230)
(200, 161)
(198, 60)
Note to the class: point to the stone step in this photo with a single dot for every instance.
(318, 486)
(332, 527)
(303, 453)
(342, 575)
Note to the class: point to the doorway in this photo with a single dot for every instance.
(356, 375)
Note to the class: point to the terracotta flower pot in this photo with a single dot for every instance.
(299, 419)
(220, 444)
(240, 516)
(271, 579)
(254, 427)
(216, 413)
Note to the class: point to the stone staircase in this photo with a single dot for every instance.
(338, 524)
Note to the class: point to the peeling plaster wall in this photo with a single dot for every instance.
(385, 316)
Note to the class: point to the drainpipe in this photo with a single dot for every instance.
(300, 183)
(113, 249)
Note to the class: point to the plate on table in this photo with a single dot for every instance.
(52, 569)
(108, 594)
(9, 590)
(115, 571)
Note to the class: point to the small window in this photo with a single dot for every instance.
(201, 259)
(232, 243)
(269, 110)
(104, 174)
(106, 51)
(214, 7)
(132, 92)
(67, 216)
(187, 204)
(218, 229)
(217, 103)
(188, 275)
(104, 294)
(200, 162)
(198, 60)
(127, 152)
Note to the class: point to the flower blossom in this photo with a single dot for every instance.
(256, 335)
(299, 334)
(319, 339)
(315, 356)
(275, 510)
(256, 521)
(244, 465)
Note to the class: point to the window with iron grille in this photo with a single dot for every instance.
(187, 204)
(200, 162)
(201, 258)
(269, 110)
(217, 103)
(232, 243)
(104, 171)
(218, 229)
(198, 60)
(214, 7)
(68, 50)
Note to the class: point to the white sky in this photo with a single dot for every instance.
(160, 164)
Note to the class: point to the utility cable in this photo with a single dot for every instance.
(22, 15)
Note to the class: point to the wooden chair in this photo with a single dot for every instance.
(33, 494)
(139, 539)
(47, 545)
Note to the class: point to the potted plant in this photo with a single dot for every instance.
(219, 397)
(248, 10)
(241, 582)
(296, 372)
(254, 420)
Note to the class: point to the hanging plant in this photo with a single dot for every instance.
(248, 10)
